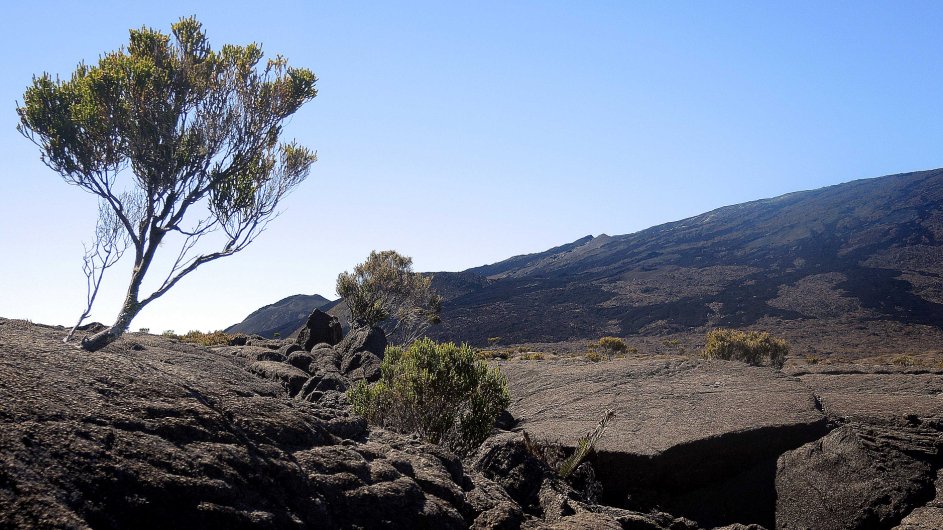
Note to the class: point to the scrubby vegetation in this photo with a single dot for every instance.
(384, 291)
(438, 391)
(612, 346)
(211, 338)
(751, 347)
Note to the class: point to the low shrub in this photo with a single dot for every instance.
(438, 391)
(751, 347)
(904, 360)
(532, 356)
(612, 346)
(491, 354)
(214, 338)
(593, 355)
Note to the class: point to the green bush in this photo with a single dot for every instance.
(438, 391)
(612, 346)
(213, 338)
(751, 347)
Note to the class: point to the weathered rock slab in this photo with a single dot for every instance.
(853, 478)
(680, 425)
(177, 436)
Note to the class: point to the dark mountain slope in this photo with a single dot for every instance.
(864, 251)
(282, 317)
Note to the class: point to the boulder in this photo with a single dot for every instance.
(291, 378)
(326, 359)
(360, 339)
(322, 382)
(289, 349)
(320, 327)
(300, 359)
(361, 353)
(696, 438)
(856, 477)
(928, 516)
(361, 365)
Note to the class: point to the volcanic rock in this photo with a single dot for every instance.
(852, 480)
(178, 436)
(319, 328)
(686, 435)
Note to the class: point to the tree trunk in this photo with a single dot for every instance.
(107, 336)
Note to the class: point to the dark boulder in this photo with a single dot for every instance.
(856, 477)
(372, 340)
(361, 353)
(291, 378)
(320, 327)
(361, 365)
(301, 360)
(289, 349)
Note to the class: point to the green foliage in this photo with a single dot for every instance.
(214, 338)
(438, 391)
(593, 355)
(532, 356)
(385, 290)
(168, 126)
(493, 341)
(169, 333)
(612, 346)
(751, 347)
(144, 330)
(491, 354)
(584, 446)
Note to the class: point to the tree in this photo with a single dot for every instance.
(384, 291)
(173, 137)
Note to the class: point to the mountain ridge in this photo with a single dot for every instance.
(843, 260)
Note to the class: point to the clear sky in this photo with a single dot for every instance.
(464, 133)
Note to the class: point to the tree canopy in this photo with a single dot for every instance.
(173, 136)
(384, 291)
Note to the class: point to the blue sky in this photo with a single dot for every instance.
(462, 134)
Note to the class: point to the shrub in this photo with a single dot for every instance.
(144, 330)
(532, 356)
(904, 360)
(612, 346)
(751, 347)
(491, 354)
(215, 338)
(438, 391)
(594, 356)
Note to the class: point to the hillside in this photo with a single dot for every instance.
(853, 268)
(861, 254)
(283, 317)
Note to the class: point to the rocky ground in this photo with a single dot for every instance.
(155, 433)
(719, 442)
